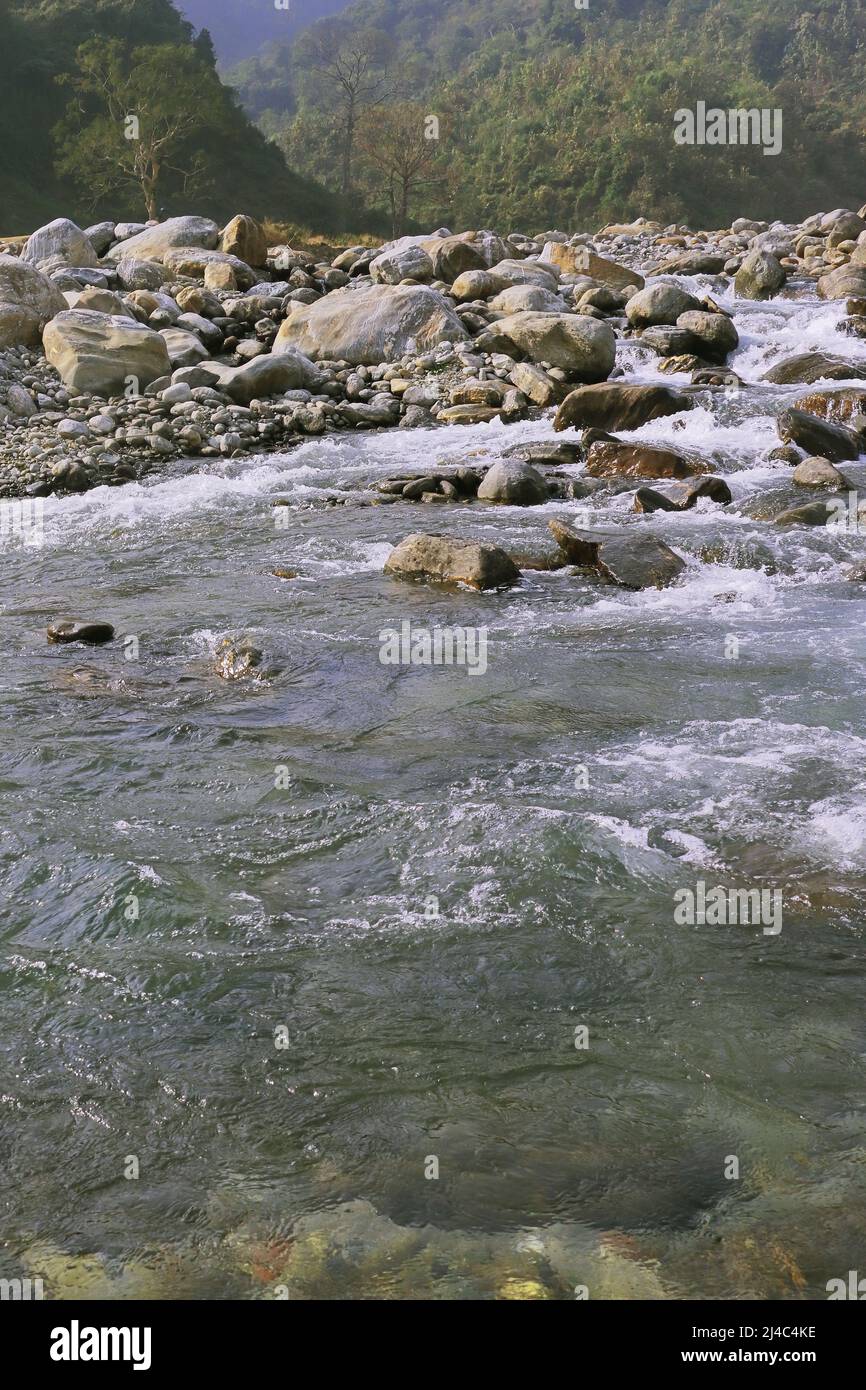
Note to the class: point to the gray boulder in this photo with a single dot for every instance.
(100, 353)
(527, 299)
(140, 275)
(845, 282)
(449, 560)
(184, 348)
(153, 242)
(514, 484)
(23, 286)
(658, 304)
(100, 236)
(270, 375)
(584, 346)
(715, 333)
(402, 263)
(59, 244)
(371, 324)
(760, 276)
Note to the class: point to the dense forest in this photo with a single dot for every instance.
(54, 129)
(552, 115)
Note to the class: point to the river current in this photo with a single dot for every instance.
(364, 981)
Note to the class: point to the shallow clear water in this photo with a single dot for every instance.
(431, 901)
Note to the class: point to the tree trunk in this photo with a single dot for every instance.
(348, 143)
(404, 205)
(148, 188)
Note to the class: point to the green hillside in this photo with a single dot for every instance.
(237, 169)
(555, 116)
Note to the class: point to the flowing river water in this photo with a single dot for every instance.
(292, 968)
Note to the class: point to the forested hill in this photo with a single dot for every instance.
(50, 165)
(550, 114)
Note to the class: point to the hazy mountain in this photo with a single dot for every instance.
(240, 28)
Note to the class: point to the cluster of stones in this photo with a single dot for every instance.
(179, 339)
(126, 345)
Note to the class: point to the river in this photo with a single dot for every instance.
(295, 970)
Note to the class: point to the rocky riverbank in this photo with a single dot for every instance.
(124, 347)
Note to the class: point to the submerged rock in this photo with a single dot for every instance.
(620, 459)
(632, 560)
(810, 514)
(610, 405)
(91, 632)
(817, 436)
(813, 366)
(447, 559)
(237, 660)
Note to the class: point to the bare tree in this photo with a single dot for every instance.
(398, 143)
(356, 71)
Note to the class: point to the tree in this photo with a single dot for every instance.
(133, 116)
(355, 71)
(398, 144)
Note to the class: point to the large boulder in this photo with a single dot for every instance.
(99, 353)
(818, 472)
(814, 366)
(518, 299)
(580, 260)
(658, 304)
(192, 261)
(833, 442)
(691, 263)
(513, 483)
(838, 405)
(449, 560)
(270, 375)
(528, 272)
(19, 326)
(371, 324)
(59, 244)
(26, 287)
(452, 256)
(845, 282)
(715, 333)
(584, 346)
(153, 242)
(631, 559)
(100, 235)
(244, 237)
(141, 275)
(402, 263)
(616, 459)
(612, 406)
(760, 276)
